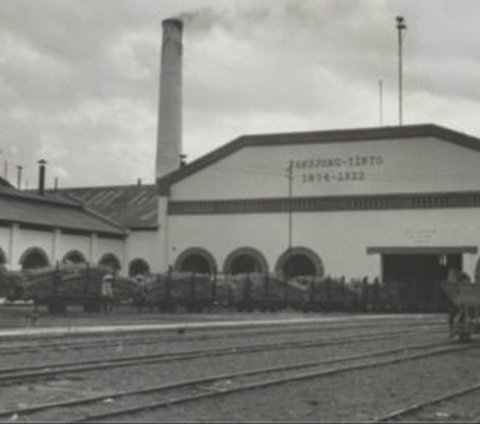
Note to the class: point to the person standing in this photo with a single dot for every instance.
(141, 292)
(107, 293)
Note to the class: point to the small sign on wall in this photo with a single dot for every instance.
(421, 236)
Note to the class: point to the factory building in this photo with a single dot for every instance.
(394, 203)
(388, 203)
(398, 204)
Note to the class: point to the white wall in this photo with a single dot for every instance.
(341, 239)
(5, 241)
(69, 242)
(56, 245)
(27, 238)
(380, 166)
(143, 244)
(115, 247)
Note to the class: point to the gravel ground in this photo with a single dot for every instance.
(358, 395)
(361, 395)
(465, 408)
(104, 381)
(180, 343)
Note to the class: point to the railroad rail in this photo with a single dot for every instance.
(155, 338)
(417, 407)
(27, 373)
(207, 387)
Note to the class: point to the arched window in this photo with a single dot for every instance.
(34, 258)
(138, 266)
(196, 259)
(110, 260)
(299, 261)
(74, 257)
(245, 260)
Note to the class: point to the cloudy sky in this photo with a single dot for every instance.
(79, 79)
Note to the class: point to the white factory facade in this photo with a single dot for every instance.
(392, 203)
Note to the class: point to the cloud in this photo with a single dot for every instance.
(79, 78)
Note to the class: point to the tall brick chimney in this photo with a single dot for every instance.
(169, 132)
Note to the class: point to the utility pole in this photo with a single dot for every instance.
(290, 180)
(380, 106)
(400, 27)
(5, 170)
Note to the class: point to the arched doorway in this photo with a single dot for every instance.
(74, 257)
(299, 261)
(138, 266)
(196, 259)
(110, 260)
(34, 258)
(477, 271)
(245, 260)
(3, 257)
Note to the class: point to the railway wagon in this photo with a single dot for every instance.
(241, 292)
(59, 287)
(263, 292)
(173, 290)
(464, 318)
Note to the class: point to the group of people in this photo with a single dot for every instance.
(107, 293)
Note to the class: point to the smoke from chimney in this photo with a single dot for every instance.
(41, 176)
(169, 134)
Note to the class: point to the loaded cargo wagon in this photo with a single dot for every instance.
(74, 285)
(171, 290)
(464, 319)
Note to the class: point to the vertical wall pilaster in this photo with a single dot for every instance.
(13, 253)
(56, 240)
(93, 249)
(163, 235)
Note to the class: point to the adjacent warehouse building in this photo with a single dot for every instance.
(38, 231)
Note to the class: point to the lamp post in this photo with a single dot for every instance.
(400, 27)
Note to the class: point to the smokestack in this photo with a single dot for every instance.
(169, 133)
(41, 176)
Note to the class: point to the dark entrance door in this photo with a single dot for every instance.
(415, 278)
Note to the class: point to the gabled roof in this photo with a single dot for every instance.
(330, 136)
(5, 183)
(133, 206)
(40, 211)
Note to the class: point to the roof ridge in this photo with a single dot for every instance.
(101, 187)
(107, 219)
(93, 212)
(37, 198)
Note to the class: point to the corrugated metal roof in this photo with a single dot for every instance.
(134, 206)
(31, 209)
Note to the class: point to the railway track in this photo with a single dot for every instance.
(412, 410)
(97, 408)
(155, 338)
(32, 372)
